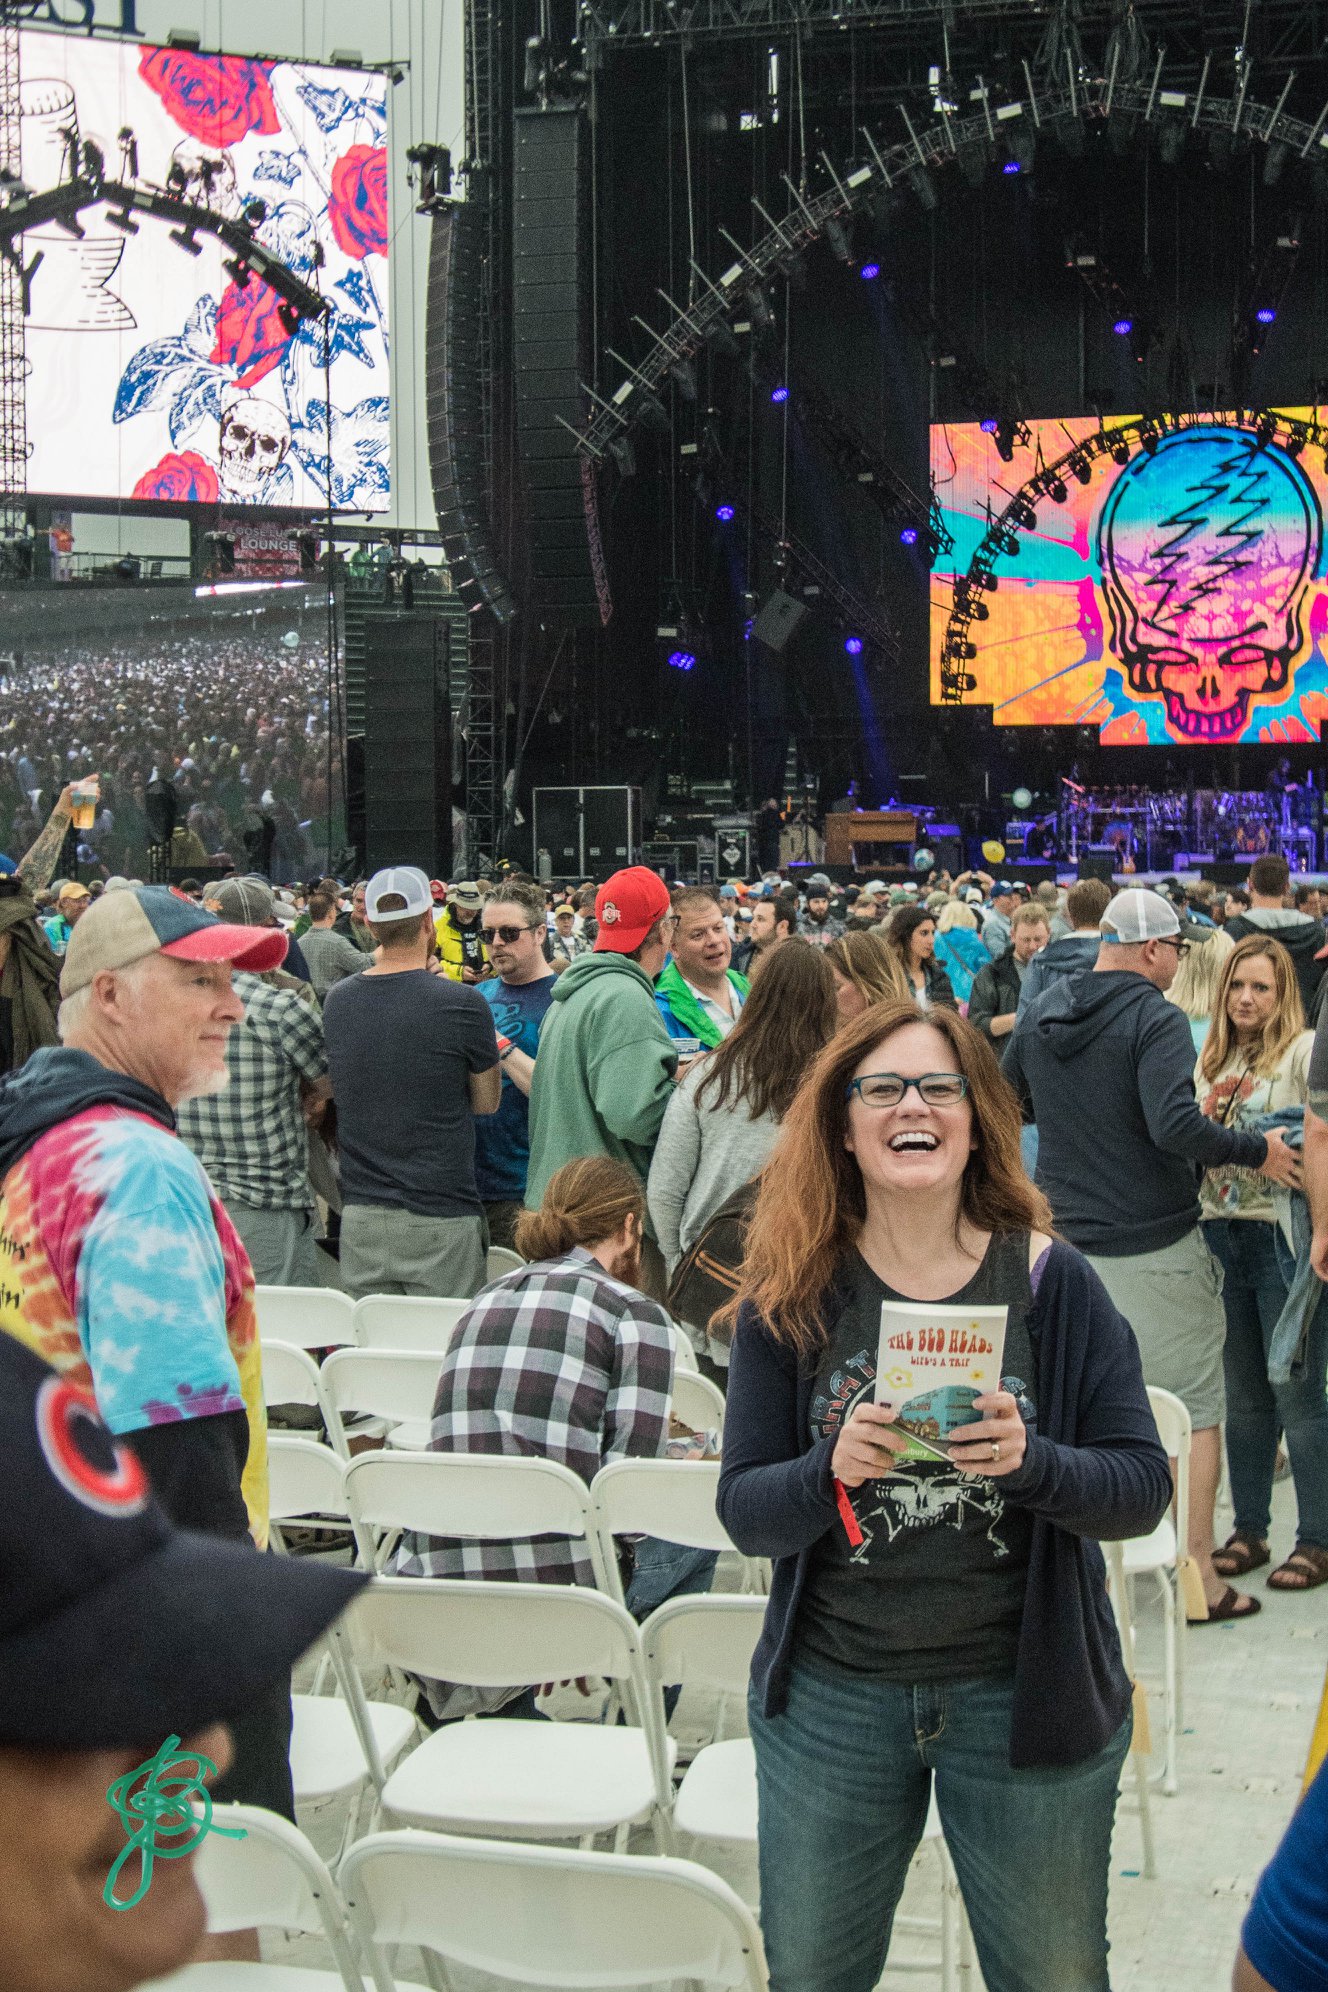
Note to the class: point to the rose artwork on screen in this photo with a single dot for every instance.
(161, 366)
(1167, 588)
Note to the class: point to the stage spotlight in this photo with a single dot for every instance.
(1006, 432)
(989, 426)
(1056, 491)
(869, 272)
(624, 456)
(982, 577)
(1295, 441)
(1265, 429)
(652, 411)
(1123, 327)
(1082, 469)
(837, 241)
(973, 163)
(1120, 452)
(1273, 164)
(853, 645)
(1171, 144)
(683, 375)
(725, 514)
(1265, 315)
(980, 612)
(779, 394)
(720, 339)
(924, 187)
(1023, 515)
(682, 660)
(1023, 151)
(759, 305)
(1011, 166)
(908, 536)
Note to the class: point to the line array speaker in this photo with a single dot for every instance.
(454, 409)
(551, 359)
(407, 744)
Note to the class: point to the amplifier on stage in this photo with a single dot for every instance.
(733, 851)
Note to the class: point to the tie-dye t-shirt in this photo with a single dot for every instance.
(119, 1266)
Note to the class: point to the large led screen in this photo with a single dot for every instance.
(157, 373)
(1174, 596)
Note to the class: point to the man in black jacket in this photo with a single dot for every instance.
(1302, 937)
(994, 1001)
(1106, 1063)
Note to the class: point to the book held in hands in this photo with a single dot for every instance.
(932, 1361)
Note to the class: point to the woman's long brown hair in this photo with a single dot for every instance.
(811, 1206)
(788, 1015)
(871, 965)
(1283, 1027)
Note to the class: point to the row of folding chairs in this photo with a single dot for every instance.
(398, 1385)
(525, 1914)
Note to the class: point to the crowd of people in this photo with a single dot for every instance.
(237, 722)
(765, 1112)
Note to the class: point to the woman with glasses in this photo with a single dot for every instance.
(911, 936)
(949, 1617)
(1256, 1061)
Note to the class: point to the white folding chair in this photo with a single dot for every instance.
(501, 1259)
(684, 1355)
(708, 1642)
(305, 1317)
(698, 1401)
(270, 1879)
(1162, 1557)
(514, 1778)
(396, 1385)
(673, 1500)
(475, 1497)
(544, 1916)
(1139, 1750)
(407, 1321)
(291, 1376)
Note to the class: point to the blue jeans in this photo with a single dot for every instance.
(843, 1779)
(1257, 1410)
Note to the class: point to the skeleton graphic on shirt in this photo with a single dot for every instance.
(918, 1495)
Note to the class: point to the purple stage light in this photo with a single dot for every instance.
(853, 645)
(1123, 327)
(909, 536)
(868, 271)
(723, 513)
(682, 660)
(989, 426)
(1266, 316)
(1011, 166)
(779, 394)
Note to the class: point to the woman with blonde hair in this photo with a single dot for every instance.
(960, 949)
(1256, 1062)
(865, 972)
(948, 1617)
(1195, 989)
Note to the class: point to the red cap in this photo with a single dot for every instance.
(627, 906)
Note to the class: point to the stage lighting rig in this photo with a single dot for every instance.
(1257, 312)
(432, 166)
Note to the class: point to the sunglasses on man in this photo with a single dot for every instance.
(509, 936)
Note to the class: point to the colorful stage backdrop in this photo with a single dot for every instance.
(154, 373)
(1177, 598)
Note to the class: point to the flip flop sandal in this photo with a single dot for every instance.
(1228, 1607)
(1307, 1562)
(1240, 1554)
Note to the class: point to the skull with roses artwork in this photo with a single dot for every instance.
(1174, 593)
(162, 366)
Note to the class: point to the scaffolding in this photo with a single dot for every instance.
(13, 383)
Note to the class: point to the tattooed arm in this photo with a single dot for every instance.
(37, 866)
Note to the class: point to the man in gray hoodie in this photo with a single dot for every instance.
(1107, 1065)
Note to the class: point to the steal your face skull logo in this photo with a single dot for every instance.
(255, 436)
(1207, 548)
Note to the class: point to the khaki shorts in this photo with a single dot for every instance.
(1173, 1301)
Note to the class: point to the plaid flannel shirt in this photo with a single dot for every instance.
(251, 1138)
(557, 1361)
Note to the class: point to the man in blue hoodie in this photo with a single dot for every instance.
(1107, 1064)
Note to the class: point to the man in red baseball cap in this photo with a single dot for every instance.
(606, 1064)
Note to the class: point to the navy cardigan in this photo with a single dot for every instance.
(1094, 1470)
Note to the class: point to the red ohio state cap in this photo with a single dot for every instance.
(627, 906)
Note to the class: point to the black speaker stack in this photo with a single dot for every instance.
(550, 283)
(407, 745)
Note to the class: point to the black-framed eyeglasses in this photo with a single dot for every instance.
(507, 935)
(887, 1089)
(1174, 941)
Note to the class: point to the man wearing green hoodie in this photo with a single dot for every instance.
(604, 1071)
(699, 995)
